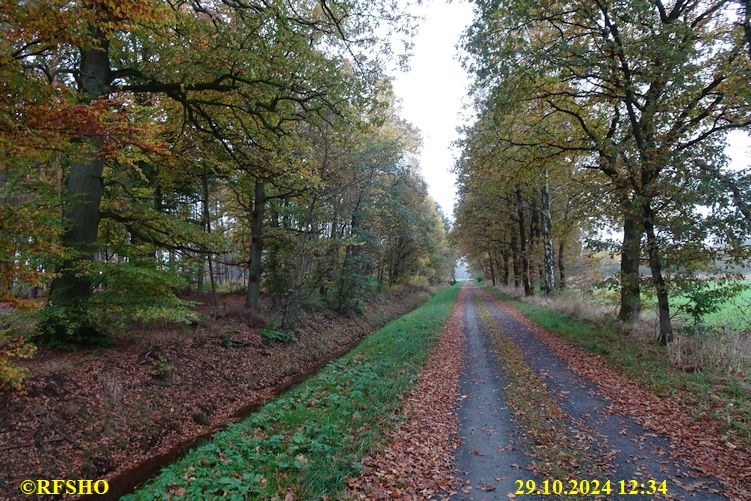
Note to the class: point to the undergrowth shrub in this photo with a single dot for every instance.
(696, 345)
(274, 331)
(15, 329)
(123, 293)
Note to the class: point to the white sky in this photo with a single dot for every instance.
(433, 91)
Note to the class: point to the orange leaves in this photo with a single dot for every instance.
(105, 122)
(116, 15)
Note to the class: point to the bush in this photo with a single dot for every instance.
(14, 344)
(275, 332)
(124, 292)
(141, 291)
(704, 297)
(70, 324)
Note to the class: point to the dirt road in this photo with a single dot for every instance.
(504, 435)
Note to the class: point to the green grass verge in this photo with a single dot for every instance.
(313, 436)
(727, 400)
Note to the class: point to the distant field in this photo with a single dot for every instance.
(734, 314)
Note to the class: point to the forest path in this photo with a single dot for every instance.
(501, 441)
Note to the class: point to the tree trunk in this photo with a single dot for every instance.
(630, 309)
(747, 23)
(561, 268)
(547, 239)
(523, 243)
(256, 247)
(505, 268)
(84, 187)
(516, 259)
(492, 268)
(534, 240)
(663, 304)
(207, 227)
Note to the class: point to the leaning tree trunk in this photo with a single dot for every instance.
(84, 187)
(256, 247)
(630, 309)
(548, 241)
(663, 304)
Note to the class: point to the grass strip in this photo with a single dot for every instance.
(311, 438)
(727, 401)
(557, 453)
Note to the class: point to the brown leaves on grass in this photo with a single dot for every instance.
(701, 444)
(418, 462)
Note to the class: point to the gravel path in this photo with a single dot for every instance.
(495, 453)
(490, 454)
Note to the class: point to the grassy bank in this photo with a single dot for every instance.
(312, 437)
(727, 399)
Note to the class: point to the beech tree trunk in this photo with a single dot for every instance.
(630, 308)
(663, 305)
(515, 259)
(255, 268)
(207, 227)
(84, 187)
(505, 267)
(747, 23)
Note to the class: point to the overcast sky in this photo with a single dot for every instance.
(434, 89)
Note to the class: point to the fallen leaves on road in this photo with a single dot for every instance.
(700, 444)
(418, 462)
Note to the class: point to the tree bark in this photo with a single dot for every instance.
(630, 308)
(255, 268)
(663, 304)
(207, 227)
(492, 268)
(516, 259)
(747, 23)
(523, 243)
(561, 267)
(505, 268)
(547, 239)
(84, 187)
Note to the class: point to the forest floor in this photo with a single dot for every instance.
(120, 412)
